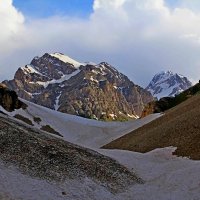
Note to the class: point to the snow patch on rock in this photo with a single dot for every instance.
(67, 59)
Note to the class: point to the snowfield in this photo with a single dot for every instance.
(166, 176)
(78, 130)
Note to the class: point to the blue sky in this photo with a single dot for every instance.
(46, 8)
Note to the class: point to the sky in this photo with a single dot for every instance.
(139, 37)
(47, 8)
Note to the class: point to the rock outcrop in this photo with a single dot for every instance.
(9, 99)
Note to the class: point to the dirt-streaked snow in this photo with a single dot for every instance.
(166, 178)
(15, 185)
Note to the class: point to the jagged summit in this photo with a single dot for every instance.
(167, 83)
(97, 91)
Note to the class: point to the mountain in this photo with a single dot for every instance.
(167, 83)
(89, 90)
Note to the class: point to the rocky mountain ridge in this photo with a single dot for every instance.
(89, 90)
(168, 84)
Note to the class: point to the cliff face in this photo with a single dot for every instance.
(96, 91)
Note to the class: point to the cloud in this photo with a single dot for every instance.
(139, 37)
(11, 22)
(102, 4)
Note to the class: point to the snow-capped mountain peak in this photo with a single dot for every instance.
(97, 91)
(67, 59)
(161, 77)
(167, 83)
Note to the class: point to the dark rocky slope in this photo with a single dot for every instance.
(178, 127)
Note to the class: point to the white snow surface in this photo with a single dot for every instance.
(67, 59)
(78, 130)
(166, 176)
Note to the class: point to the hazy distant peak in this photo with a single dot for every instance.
(168, 83)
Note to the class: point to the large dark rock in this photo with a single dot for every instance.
(9, 99)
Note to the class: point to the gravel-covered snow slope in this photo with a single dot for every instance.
(35, 165)
(16, 186)
(166, 178)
